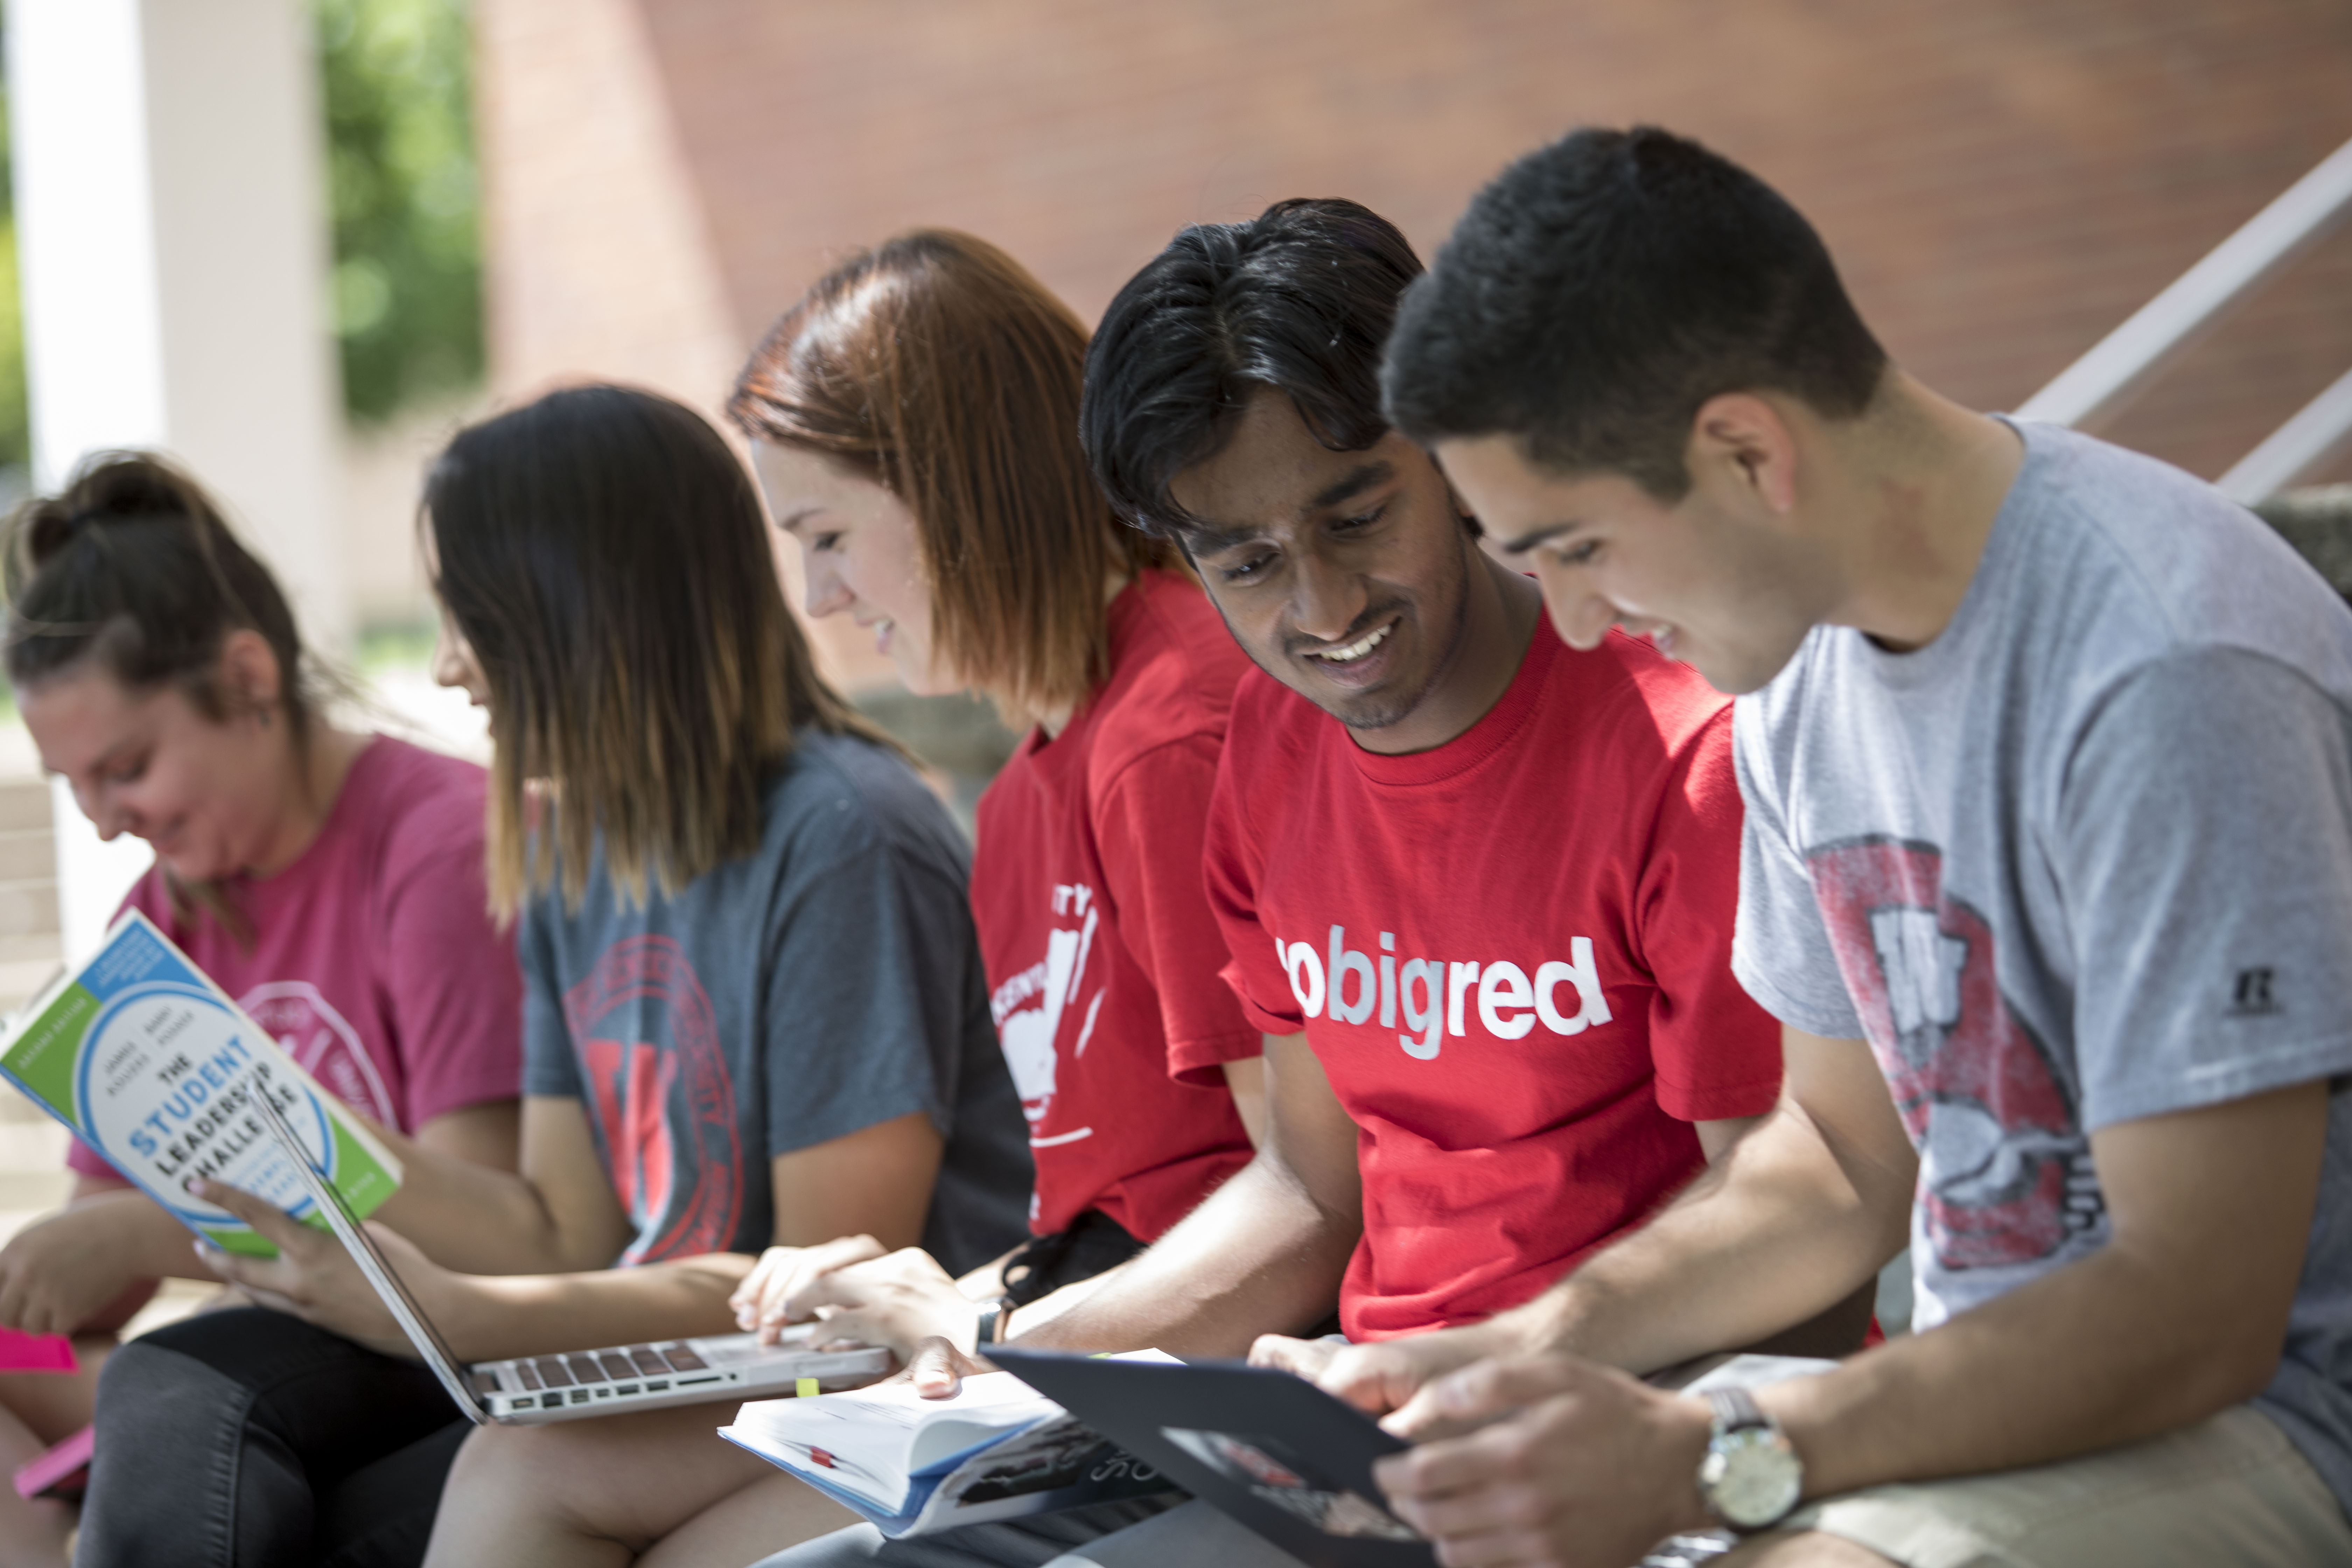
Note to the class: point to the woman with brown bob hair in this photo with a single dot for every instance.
(753, 1009)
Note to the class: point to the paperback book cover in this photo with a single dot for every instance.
(153, 1066)
(913, 1466)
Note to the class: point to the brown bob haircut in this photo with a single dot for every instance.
(936, 366)
(603, 553)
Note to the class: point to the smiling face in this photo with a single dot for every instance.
(206, 794)
(1348, 576)
(861, 555)
(1709, 579)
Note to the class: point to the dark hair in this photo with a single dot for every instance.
(1299, 298)
(937, 367)
(604, 553)
(1601, 289)
(134, 565)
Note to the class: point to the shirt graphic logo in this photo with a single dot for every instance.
(1432, 994)
(1029, 1009)
(2251, 997)
(2005, 1173)
(306, 1027)
(647, 1042)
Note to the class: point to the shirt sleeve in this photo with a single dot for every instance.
(451, 986)
(1150, 830)
(1231, 866)
(1780, 949)
(872, 978)
(2204, 849)
(1716, 1053)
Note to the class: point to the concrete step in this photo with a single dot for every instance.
(29, 908)
(24, 805)
(28, 855)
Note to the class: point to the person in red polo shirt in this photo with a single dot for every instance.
(1477, 888)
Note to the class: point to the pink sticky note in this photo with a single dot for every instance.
(35, 1353)
(37, 1476)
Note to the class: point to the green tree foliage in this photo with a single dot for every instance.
(401, 179)
(16, 435)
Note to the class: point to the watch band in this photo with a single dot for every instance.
(1736, 1410)
(1752, 1477)
(991, 1319)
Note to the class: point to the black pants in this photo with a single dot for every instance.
(248, 1439)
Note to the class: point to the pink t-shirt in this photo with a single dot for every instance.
(373, 963)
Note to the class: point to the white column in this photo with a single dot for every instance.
(172, 249)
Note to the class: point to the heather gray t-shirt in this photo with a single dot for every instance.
(827, 982)
(2084, 859)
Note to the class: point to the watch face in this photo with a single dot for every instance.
(1752, 1477)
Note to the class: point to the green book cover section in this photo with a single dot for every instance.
(153, 1067)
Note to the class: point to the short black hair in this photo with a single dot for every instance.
(1601, 290)
(1299, 298)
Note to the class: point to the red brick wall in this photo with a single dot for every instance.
(2002, 180)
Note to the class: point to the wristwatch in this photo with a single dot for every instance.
(1751, 1476)
(992, 1320)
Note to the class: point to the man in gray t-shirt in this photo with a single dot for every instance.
(2047, 753)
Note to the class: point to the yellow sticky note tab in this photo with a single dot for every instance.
(804, 1387)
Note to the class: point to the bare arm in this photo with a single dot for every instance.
(1802, 1211)
(2180, 1315)
(878, 1178)
(901, 1300)
(1245, 1081)
(1264, 1251)
(556, 1214)
(1780, 1236)
(66, 1272)
(489, 1135)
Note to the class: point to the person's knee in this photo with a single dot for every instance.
(141, 1375)
(541, 1469)
(244, 1346)
(505, 1457)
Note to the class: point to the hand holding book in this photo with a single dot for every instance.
(312, 1277)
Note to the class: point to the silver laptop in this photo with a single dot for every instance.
(532, 1389)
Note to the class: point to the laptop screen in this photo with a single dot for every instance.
(430, 1347)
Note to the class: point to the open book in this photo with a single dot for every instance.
(153, 1066)
(912, 1465)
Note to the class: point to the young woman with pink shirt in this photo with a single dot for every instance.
(330, 879)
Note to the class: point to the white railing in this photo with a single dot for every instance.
(2123, 362)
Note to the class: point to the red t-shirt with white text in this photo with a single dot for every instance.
(1102, 955)
(373, 962)
(1511, 956)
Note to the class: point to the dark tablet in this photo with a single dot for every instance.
(1273, 1451)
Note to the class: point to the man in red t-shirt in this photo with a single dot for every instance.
(1477, 888)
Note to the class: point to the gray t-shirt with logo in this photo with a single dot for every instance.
(2084, 859)
(827, 980)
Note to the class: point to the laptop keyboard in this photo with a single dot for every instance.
(634, 1367)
